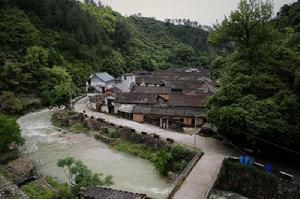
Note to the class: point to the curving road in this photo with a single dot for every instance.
(199, 182)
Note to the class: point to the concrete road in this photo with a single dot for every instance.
(201, 178)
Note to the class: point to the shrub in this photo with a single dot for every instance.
(78, 128)
(139, 150)
(179, 166)
(37, 191)
(162, 162)
(63, 190)
(113, 133)
(10, 135)
(9, 156)
(179, 152)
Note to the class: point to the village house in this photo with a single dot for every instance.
(170, 111)
(99, 83)
(170, 99)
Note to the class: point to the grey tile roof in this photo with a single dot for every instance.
(108, 193)
(176, 111)
(150, 89)
(188, 100)
(105, 77)
(137, 98)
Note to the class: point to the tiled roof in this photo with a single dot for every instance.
(176, 111)
(188, 100)
(108, 193)
(137, 98)
(105, 77)
(115, 90)
(200, 73)
(151, 89)
(171, 76)
(197, 86)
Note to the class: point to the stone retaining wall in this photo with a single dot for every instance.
(254, 183)
(180, 179)
(97, 124)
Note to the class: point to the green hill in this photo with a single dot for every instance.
(50, 46)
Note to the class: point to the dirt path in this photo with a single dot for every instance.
(202, 177)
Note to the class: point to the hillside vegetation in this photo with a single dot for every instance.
(50, 47)
(258, 101)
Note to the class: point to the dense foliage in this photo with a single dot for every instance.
(48, 189)
(174, 160)
(80, 176)
(50, 47)
(10, 135)
(259, 91)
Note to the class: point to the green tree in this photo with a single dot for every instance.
(80, 176)
(10, 135)
(162, 162)
(258, 83)
(182, 55)
(17, 32)
(10, 103)
(248, 26)
(56, 85)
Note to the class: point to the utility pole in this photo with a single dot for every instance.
(71, 103)
(195, 133)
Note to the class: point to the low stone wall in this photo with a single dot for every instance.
(128, 134)
(180, 179)
(254, 183)
(97, 124)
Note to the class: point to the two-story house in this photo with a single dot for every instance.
(100, 82)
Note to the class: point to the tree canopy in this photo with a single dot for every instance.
(80, 176)
(258, 93)
(10, 135)
(38, 38)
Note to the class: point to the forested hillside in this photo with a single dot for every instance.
(259, 100)
(50, 47)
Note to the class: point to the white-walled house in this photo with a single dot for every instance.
(125, 82)
(100, 82)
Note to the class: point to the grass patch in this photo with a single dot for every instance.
(139, 150)
(48, 189)
(56, 122)
(175, 160)
(78, 128)
(9, 156)
(63, 190)
(36, 191)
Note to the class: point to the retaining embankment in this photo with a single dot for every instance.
(255, 183)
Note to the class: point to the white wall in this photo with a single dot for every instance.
(99, 84)
(126, 81)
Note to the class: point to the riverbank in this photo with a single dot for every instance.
(254, 182)
(169, 158)
(19, 179)
(45, 144)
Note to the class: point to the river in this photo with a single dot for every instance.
(45, 145)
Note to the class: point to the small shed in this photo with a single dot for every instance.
(125, 110)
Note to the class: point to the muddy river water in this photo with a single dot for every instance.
(45, 145)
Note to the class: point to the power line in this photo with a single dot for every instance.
(261, 139)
